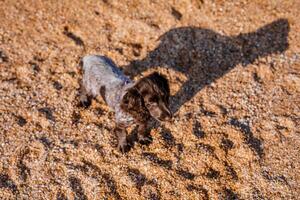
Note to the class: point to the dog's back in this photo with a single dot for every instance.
(101, 74)
(101, 71)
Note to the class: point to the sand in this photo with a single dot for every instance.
(234, 71)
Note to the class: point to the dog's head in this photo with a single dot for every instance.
(155, 92)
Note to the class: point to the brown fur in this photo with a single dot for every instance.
(149, 97)
(155, 91)
(133, 103)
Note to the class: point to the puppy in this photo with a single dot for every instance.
(133, 103)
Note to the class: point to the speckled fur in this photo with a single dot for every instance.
(99, 72)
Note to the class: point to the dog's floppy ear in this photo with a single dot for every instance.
(132, 99)
(133, 103)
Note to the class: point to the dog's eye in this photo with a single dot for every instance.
(166, 98)
(126, 101)
(153, 99)
(145, 93)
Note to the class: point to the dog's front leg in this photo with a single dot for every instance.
(144, 136)
(122, 141)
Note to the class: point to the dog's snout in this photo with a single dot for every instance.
(169, 115)
(166, 115)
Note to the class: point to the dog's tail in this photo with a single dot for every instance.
(80, 65)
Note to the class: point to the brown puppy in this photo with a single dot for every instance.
(148, 97)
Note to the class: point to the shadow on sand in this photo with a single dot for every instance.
(204, 55)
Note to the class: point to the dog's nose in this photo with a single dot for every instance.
(169, 116)
(166, 116)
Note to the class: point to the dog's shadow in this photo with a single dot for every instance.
(204, 55)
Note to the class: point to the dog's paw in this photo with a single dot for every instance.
(123, 147)
(85, 104)
(85, 100)
(145, 140)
